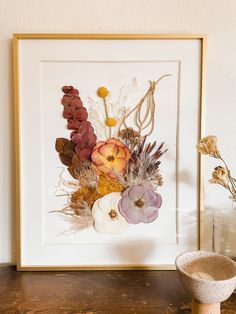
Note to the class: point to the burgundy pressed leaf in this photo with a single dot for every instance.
(73, 124)
(81, 114)
(67, 89)
(84, 154)
(80, 145)
(66, 100)
(74, 92)
(76, 101)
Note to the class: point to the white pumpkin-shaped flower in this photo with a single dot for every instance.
(106, 214)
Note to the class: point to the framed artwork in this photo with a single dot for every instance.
(107, 172)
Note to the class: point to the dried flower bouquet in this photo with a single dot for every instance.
(115, 179)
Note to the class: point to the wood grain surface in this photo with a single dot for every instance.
(90, 292)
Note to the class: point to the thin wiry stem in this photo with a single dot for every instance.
(150, 108)
(233, 186)
(106, 114)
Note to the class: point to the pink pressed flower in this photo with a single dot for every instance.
(140, 203)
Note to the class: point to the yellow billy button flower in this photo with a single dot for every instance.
(110, 122)
(102, 92)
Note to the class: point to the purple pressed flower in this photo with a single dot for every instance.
(140, 203)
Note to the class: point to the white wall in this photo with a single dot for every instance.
(216, 18)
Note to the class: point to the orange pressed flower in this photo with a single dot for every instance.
(111, 157)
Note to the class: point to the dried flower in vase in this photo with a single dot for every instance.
(220, 175)
(207, 146)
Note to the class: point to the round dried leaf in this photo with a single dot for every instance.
(60, 143)
(69, 146)
(65, 159)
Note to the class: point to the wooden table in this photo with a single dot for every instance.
(118, 292)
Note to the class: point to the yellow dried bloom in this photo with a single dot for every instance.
(107, 185)
(207, 146)
(87, 194)
(110, 122)
(102, 92)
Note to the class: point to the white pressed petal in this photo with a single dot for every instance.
(104, 202)
(115, 200)
(95, 209)
(100, 211)
(111, 226)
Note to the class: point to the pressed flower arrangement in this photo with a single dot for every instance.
(116, 175)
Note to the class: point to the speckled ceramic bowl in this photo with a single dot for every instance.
(205, 291)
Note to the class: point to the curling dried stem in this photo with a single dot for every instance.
(141, 123)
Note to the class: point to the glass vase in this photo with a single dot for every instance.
(224, 231)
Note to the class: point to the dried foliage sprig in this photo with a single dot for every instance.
(220, 175)
(86, 174)
(130, 137)
(79, 220)
(144, 165)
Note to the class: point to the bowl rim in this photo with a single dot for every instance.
(200, 279)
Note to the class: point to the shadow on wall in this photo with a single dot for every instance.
(185, 177)
(133, 252)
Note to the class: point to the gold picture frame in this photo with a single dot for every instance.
(200, 195)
